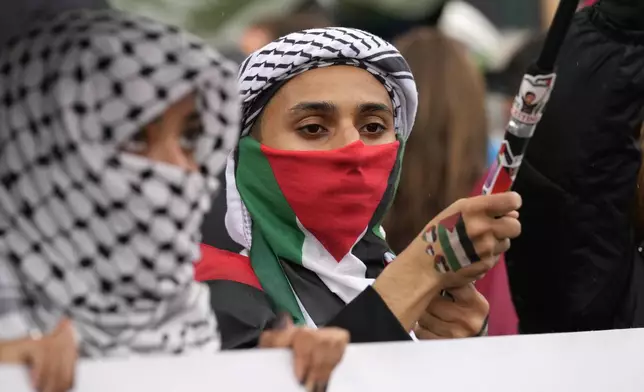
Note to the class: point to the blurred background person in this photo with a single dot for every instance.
(449, 133)
(450, 136)
(266, 30)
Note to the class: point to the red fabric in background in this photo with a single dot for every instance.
(495, 287)
(217, 264)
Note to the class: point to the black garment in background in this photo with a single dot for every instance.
(213, 228)
(386, 26)
(16, 15)
(575, 267)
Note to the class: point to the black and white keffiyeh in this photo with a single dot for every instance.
(88, 232)
(266, 70)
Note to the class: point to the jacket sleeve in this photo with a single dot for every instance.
(369, 319)
(244, 311)
(572, 267)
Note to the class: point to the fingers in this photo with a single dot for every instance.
(68, 368)
(302, 351)
(424, 334)
(317, 353)
(52, 377)
(494, 205)
(16, 351)
(38, 366)
(281, 336)
(54, 360)
(442, 328)
(469, 274)
(506, 227)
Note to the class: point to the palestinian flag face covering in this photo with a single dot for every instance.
(310, 220)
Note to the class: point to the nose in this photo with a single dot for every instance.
(348, 134)
(170, 151)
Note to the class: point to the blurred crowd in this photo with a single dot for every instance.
(315, 185)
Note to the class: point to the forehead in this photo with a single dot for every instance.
(340, 84)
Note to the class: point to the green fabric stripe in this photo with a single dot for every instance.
(278, 225)
(443, 238)
(275, 232)
(390, 192)
(273, 279)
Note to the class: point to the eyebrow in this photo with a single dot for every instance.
(329, 107)
(369, 107)
(321, 106)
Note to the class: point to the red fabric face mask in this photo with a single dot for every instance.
(334, 194)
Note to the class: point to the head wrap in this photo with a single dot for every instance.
(103, 237)
(265, 71)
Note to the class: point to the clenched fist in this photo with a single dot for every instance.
(467, 238)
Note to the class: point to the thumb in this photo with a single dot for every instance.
(64, 326)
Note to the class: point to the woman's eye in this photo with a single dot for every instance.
(138, 143)
(374, 128)
(312, 130)
(191, 136)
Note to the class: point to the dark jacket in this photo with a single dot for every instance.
(244, 310)
(576, 266)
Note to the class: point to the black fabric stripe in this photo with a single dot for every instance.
(320, 302)
(394, 53)
(371, 251)
(242, 311)
(464, 239)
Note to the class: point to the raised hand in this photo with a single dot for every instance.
(467, 238)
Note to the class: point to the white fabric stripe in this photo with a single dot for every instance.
(455, 243)
(309, 321)
(346, 278)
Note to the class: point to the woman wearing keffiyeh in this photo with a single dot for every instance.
(326, 113)
(112, 130)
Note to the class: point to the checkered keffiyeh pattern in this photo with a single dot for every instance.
(264, 71)
(87, 231)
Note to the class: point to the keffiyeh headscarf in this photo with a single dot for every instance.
(87, 231)
(294, 267)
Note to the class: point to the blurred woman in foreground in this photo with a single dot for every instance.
(113, 129)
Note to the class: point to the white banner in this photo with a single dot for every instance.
(584, 362)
